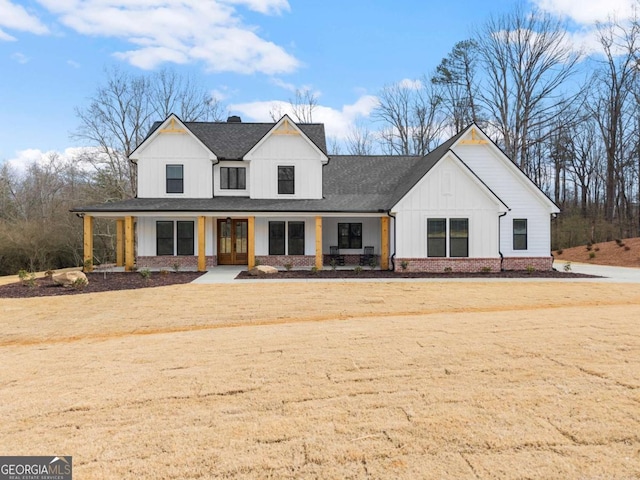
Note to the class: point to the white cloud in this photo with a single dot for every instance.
(20, 58)
(586, 12)
(15, 17)
(181, 31)
(410, 84)
(24, 158)
(337, 122)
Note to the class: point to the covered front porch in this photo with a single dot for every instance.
(204, 241)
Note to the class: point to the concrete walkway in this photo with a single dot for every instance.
(227, 274)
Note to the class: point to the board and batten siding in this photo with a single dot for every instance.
(516, 191)
(285, 150)
(174, 149)
(146, 233)
(448, 190)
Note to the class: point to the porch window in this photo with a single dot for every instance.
(296, 238)
(286, 180)
(459, 237)
(175, 179)
(233, 178)
(164, 238)
(350, 235)
(436, 237)
(185, 238)
(520, 234)
(276, 238)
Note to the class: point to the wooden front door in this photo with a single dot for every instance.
(233, 242)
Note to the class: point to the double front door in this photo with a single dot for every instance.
(233, 241)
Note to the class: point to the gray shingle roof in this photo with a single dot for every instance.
(232, 140)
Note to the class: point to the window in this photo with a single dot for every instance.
(349, 235)
(459, 237)
(233, 178)
(276, 238)
(185, 238)
(519, 234)
(286, 183)
(436, 237)
(296, 238)
(164, 238)
(175, 179)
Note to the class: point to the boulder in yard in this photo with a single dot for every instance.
(263, 270)
(67, 279)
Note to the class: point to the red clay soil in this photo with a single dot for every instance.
(621, 253)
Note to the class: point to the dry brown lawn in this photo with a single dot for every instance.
(414, 380)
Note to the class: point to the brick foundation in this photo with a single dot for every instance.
(524, 263)
(168, 262)
(279, 261)
(438, 265)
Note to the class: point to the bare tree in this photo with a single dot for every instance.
(120, 115)
(303, 105)
(411, 117)
(359, 140)
(527, 61)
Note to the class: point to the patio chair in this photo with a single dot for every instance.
(334, 254)
(367, 256)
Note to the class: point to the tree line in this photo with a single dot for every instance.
(570, 121)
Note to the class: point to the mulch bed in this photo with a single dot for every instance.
(98, 282)
(369, 274)
(111, 281)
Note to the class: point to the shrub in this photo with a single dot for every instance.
(567, 267)
(373, 263)
(627, 248)
(288, 266)
(589, 247)
(164, 272)
(404, 264)
(592, 255)
(79, 284)
(358, 270)
(621, 244)
(145, 273)
(176, 267)
(530, 269)
(49, 273)
(257, 262)
(448, 269)
(333, 264)
(87, 265)
(618, 241)
(597, 249)
(314, 270)
(559, 251)
(485, 270)
(27, 279)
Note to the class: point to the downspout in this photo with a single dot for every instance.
(393, 255)
(499, 242)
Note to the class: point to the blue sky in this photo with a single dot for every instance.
(53, 53)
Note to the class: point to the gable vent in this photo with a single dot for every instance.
(234, 119)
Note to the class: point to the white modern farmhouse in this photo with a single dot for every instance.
(221, 193)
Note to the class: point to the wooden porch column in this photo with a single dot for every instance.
(202, 259)
(88, 243)
(119, 243)
(128, 244)
(319, 258)
(251, 250)
(384, 244)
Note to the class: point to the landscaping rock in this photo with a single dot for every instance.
(67, 279)
(262, 270)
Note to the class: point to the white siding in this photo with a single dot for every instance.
(285, 150)
(174, 149)
(517, 194)
(447, 191)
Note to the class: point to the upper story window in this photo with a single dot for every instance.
(286, 180)
(233, 178)
(175, 179)
(519, 233)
